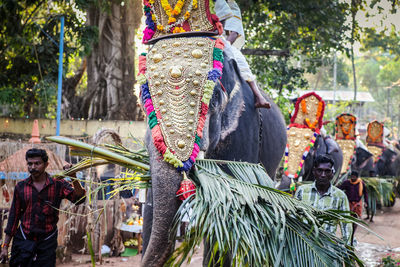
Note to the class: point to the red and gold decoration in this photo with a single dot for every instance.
(375, 139)
(345, 137)
(177, 80)
(308, 113)
(302, 132)
(168, 17)
(346, 126)
(375, 133)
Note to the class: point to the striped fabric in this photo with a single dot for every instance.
(334, 199)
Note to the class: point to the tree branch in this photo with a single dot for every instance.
(265, 52)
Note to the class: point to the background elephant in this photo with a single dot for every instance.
(388, 165)
(234, 130)
(323, 145)
(363, 162)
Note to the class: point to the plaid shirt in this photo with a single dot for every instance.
(37, 211)
(334, 199)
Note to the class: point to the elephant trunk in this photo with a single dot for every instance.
(284, 184)
(165, 182)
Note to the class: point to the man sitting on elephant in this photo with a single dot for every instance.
(322, 195)
(229, 14)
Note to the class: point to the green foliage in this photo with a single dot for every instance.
(29, 38)
(388, 261)
(259, 225)
(379, 72)
(309, 30)
(386, 41)
(379, 191)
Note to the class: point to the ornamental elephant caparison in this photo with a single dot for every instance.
(323, 145)
(234, 130)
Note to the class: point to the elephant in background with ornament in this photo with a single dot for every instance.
(234, 130)
(323, 145)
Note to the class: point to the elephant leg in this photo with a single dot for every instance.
(147, 220)
(165, 182)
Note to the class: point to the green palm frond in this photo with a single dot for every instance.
(137, 163)
(116, 156)
(259, 225)
(379, 191)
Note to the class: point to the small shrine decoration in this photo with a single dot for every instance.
(345, 137)
(375, 139)
(302, 132)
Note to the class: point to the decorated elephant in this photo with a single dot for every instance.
(384, 161)
(197, 103)
(355, 154)
(305, 142)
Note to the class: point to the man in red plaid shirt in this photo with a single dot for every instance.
(33, 216)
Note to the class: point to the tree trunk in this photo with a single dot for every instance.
(111, 65)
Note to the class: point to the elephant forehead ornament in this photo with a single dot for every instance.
(345, 137)
(375, 139)
(165, 18)
(302, 133)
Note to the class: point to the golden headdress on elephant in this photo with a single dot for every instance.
(165, 18)
(178, 75)
(375, 139)
(345, 136)
(302, 132)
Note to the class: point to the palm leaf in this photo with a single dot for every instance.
(258, 225)
(98, 152)
(379, 190)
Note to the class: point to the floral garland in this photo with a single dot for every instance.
(304, 156)
(153, 116)
(304, 106)
(174, 26)
(318, 115)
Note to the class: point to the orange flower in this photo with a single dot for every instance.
(171, 20)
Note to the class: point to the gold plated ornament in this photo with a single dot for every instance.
(180, 100)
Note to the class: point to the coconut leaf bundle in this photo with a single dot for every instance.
(379, 191)
(256, 225)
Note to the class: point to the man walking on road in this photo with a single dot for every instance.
(33, 216)
(355, 189)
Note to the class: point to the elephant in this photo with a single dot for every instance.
(363, 162)
(322, 145)
(234, 130)
(388, 164)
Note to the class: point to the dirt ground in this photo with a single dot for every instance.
(370, 247)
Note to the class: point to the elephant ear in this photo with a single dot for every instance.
(332, 146)
(232, 111)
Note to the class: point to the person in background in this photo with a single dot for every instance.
(322, 195)
(33, 216)
(355, 189)
(229, 14)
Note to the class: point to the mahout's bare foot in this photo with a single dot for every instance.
(262, 103)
